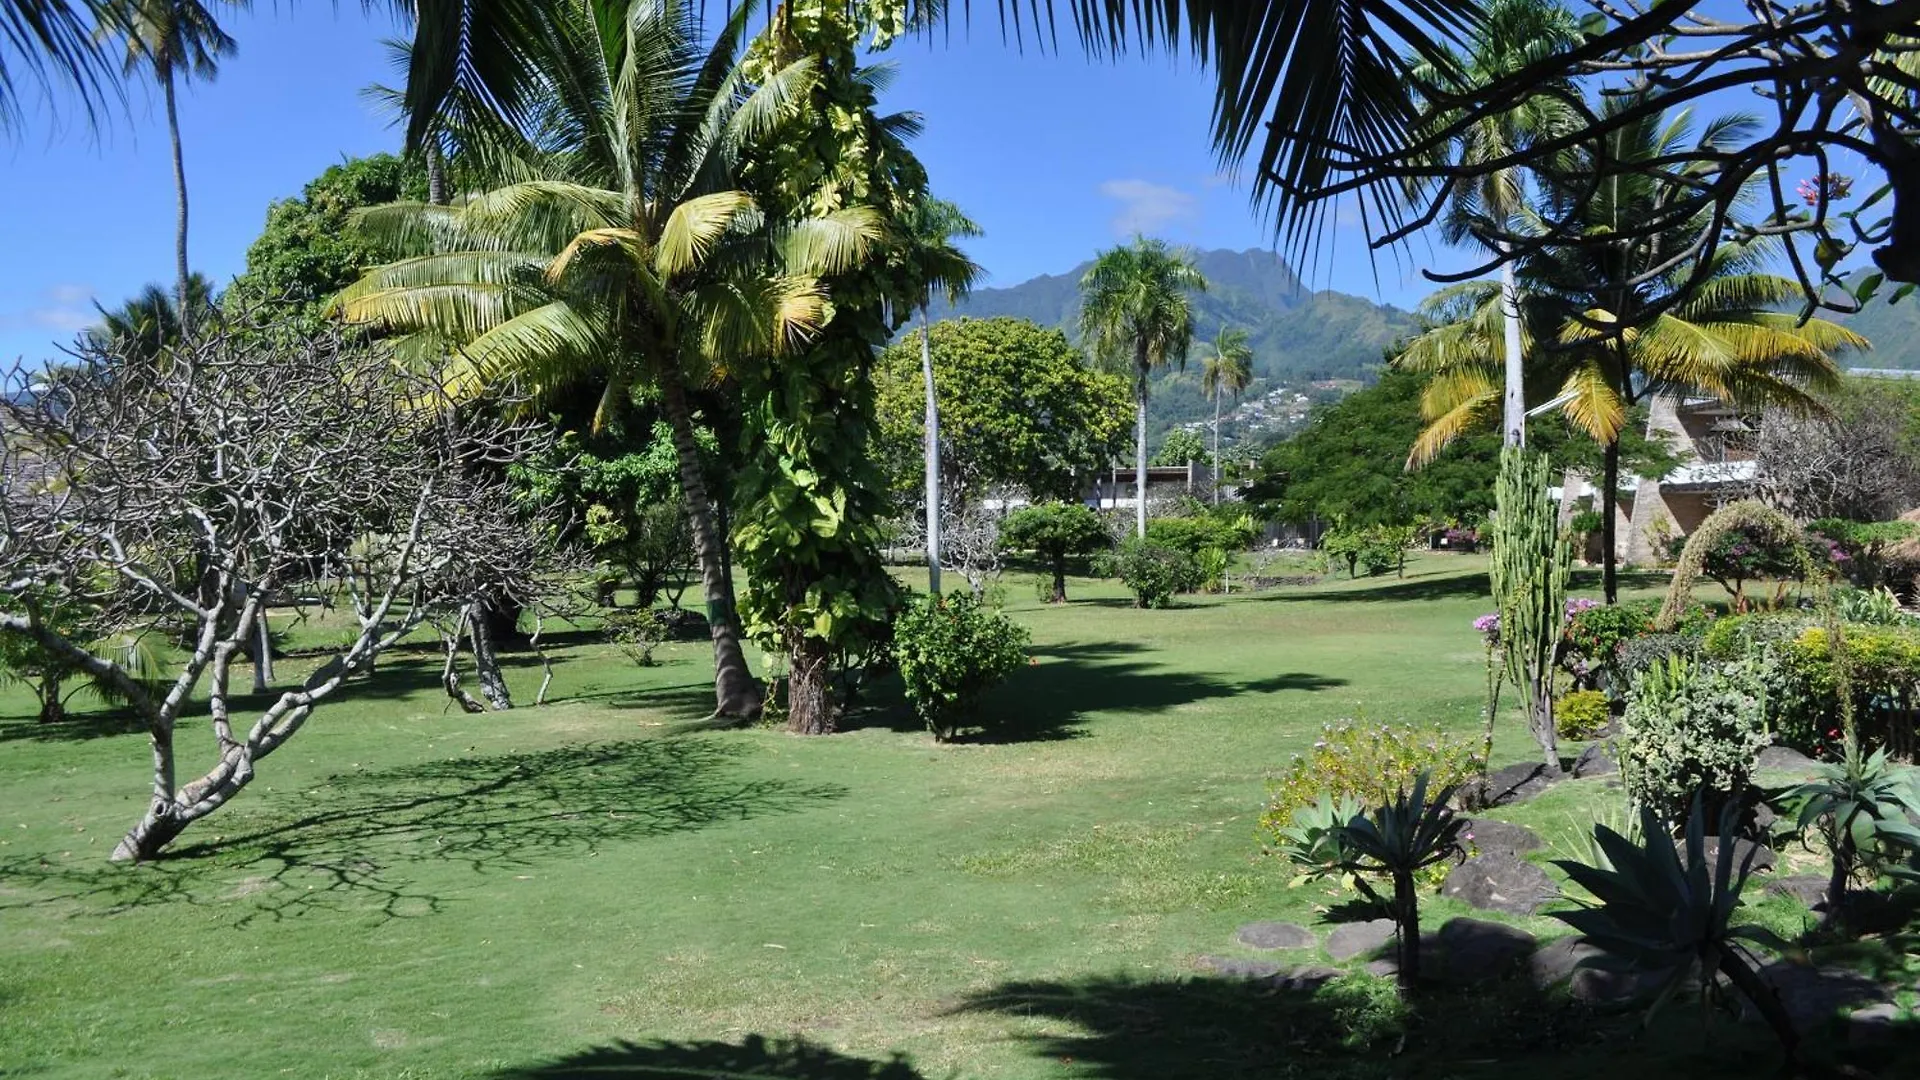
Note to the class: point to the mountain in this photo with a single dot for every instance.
(1894, 330)
(1297, 335)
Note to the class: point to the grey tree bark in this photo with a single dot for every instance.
(932, 450)
(182, 274)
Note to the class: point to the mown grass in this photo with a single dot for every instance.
(599, 887)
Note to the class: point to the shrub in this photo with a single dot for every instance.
(1056, 532)
(1691, 727)
(1581, 714)
(1194, 535)
(951, 650)
(1755, 551)
(1375, 549)
(1642, 653)
(1595, 636)
(1371, 763)
(1794, 656)
(1153, 573)
(1213, 563)
(637, 632)
(1585, 522)
(1874, 607)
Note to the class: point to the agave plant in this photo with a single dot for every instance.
(1311, 840)
(1656, 912)
(1397, 841)
(1861, 805)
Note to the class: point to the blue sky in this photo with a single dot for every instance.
(1055, 155)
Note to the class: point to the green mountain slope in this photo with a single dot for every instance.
(1894, 330)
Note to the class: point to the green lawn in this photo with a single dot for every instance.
(408, 891)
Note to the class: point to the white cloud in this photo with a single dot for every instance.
(1147, 207)
(65, 308)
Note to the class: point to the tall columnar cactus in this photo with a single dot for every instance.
(1529, 573)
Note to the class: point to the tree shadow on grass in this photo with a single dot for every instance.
(360, 837)
(755, 1056)
(1392, 589)
(1356, 1028)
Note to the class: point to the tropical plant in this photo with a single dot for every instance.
(1774, 544)
(1582, 714)
(1057, 532)
(1135, 314)
(1488, 203)
(1398, 840)
(1667, 912)
(630, 259)
(1180, 447)
(951, 650)
(1863, 806)
(175, 41)
(1227, 370)
(1691, 730)
(1309, 839)
(929, 228)
(1370, 763)
(148, 324)
(1873, 607)
(1154, 573)
(1723, 333)
(1531, 560)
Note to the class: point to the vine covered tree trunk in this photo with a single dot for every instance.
(736, 693)
(810, 709)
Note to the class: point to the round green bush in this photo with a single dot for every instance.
(1581, 715)
(1691, 727)
(1154, 573)
(951, 650)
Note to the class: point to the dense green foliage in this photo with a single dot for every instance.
(1375, 549)
(1019, 406)
(1228, 530)
(309, 249)
(1367, 763)
(1154, 573)
(1596, 634)
(1581, 714)
(1056, 532)
(1180, 447)
(951, 650)
(1691, 727)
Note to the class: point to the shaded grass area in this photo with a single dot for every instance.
(598, 888)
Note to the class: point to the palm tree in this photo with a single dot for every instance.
(178, 41)
(1228, 371)
(1515, 33)
(643, 265)
(1134, 311)
(1724, 334)
(935, 263)
(148, 324)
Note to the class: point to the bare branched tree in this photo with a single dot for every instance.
(1854, 463)
(173, 496)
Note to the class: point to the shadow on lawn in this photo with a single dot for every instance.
(1120, 1028)
(756, 1056)
(360, 836)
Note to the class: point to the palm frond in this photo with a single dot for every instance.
(694, 227)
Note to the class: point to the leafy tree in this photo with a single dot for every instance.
(1180, 447)
(1228, 369)
(1722, 335)
(309, 249)
(176, 41)
(638, 262)
(1021, 409)
(1135, 313)
(1057, 532)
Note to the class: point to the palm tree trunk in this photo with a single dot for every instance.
(736, 694)
(1609, 497)
(1140, 443)
(932, 449)
(1514, 410)
(1216, 446)
(180, 195)
(436, 177)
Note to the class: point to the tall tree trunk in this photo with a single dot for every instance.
(932, 449)
(1216, 445)
(1140, 450)
(180, 197)
(486, 662)
(162, 821)
(436, 177)
(809, 697)
(1059, 578)
(736, 694)
(1609, 499)
(1514, 407)
(53, 708)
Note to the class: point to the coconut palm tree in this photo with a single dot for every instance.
(627, 258)
(1722, 334)
(177, 41)
(149, 323)
(1515, 33)
(1135, 313)
(936, 264)
(1229, 370)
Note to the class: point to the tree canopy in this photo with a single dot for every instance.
(1018, 406)
(309, 250)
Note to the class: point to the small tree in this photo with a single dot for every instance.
(1058, 532)
(185, 493)
(1180, 447)
(951, 650)
(1531, 559)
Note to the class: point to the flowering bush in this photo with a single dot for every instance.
(1368, 762)
(1582, 714)
(1489, 627)
(1757, 552)
(1595, 635)
(1823, 188)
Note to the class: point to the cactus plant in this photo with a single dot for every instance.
(1531, 558)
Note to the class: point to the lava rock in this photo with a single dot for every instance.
(1474, 950)
(1783, 759)
(1558, 960)
(1595, 760)
(1275, 935)
(1873, 1025)
(1311, 977)
(1813, 995)
(1511, 785)
(1500, 881)
(1809, 889)
(1385, 968)
(1490, 836)
(1349, 940)
(1234, 968)
(1763, 856)
(1596, 985)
